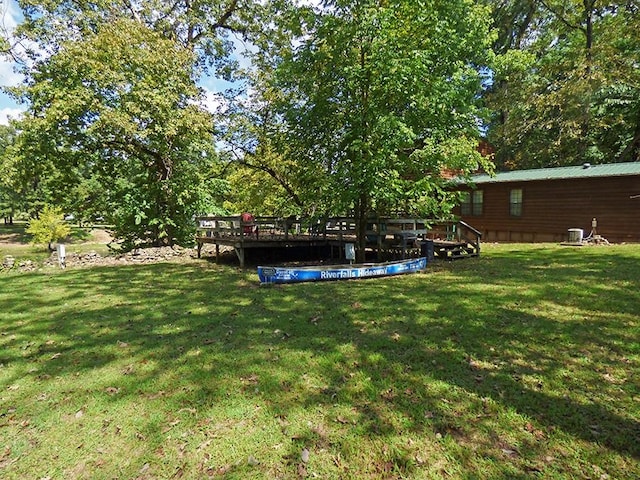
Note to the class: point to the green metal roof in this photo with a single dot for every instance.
(559, 173)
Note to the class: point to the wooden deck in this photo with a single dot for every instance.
(387, 238)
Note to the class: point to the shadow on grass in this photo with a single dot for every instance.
(443, 350)
(15, 233)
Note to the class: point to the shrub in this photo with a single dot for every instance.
(49, 226)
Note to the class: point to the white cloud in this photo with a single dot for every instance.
(9, 77)
(9, 113)
(10, 17)
(214, 102)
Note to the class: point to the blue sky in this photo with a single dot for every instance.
(10, 17)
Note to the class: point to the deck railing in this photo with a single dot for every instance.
(382, 234)
(457, 238)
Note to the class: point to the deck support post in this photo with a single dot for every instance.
(240, 254)
(199, 248)
(217, 252)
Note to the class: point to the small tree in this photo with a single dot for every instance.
(49, 227)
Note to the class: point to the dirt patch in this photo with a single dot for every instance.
(92, 258)
(11, 238)
(99, 235)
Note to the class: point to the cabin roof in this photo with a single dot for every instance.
(559, 173)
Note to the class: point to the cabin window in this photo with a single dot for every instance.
(471, 203)
(477, 202)
(465, 203)
(515, 202)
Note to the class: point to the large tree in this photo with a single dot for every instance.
(114, 119)
(115, 123)
(371, 100)
(564, 92)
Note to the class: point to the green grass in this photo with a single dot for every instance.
(520, 364)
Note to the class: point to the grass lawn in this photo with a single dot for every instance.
(523, 363)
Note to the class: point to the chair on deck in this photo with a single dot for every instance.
(249, 227)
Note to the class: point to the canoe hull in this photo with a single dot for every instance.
(339, 272)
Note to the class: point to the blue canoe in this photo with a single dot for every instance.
(339, 272)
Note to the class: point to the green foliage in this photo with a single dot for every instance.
(370, 101)
(49, 226)
(253, 190)
(567, 91)
(117, 116)
(10, 198)
(117, 126)
(199, 26)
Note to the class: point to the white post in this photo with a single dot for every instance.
(61, 255)
(350, 251)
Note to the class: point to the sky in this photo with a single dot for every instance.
(10, 17)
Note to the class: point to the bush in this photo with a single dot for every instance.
(49, 227)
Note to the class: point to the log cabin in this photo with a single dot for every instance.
(544, 205)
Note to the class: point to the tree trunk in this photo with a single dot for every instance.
(361, 212)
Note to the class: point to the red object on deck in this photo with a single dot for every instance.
(248, 218)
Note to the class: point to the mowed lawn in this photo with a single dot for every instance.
(523, 363)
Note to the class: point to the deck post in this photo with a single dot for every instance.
(217, 252)
(199, 248)
(240, 253)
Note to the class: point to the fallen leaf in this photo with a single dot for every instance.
(79, 414)
(388, 394)
(509, 452)
(304, 456)
(252, 461)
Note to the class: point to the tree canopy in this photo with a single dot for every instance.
(352, 107)
(115, 123)
(566, 89)
(370, 101)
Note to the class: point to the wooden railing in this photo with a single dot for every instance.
(381, 233)
(266, 228)
(455, 238)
